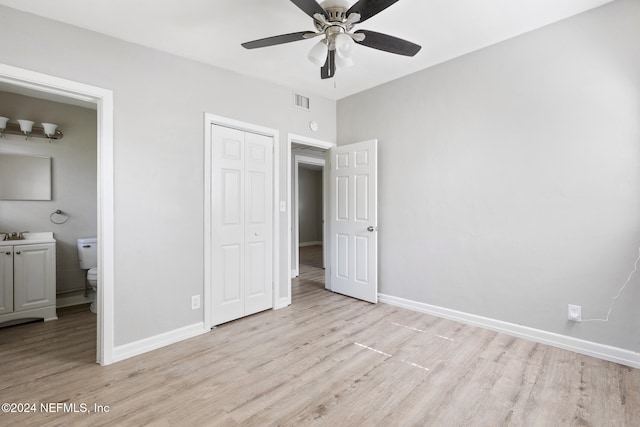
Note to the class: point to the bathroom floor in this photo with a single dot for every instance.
(69, 341)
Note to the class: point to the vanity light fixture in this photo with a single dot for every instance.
(27, 128)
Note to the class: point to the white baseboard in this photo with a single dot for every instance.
(589, 348)
(152, 343)
(294, 274)
(282, 303)
(316, 243)
(72, 298)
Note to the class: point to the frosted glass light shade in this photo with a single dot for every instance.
(3, 122)
(49, 129)
(344, 45)
(343, 62)
(318, 55)
(26, 126)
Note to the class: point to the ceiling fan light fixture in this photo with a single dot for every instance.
(344, 45)
(318, 54)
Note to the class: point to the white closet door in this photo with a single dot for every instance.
(241, 223)
(227, 210)
(258, 220)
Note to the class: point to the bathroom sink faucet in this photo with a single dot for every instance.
(14, 236)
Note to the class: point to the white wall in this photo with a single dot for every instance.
(159, 106)
(510, 177)
(74, 184)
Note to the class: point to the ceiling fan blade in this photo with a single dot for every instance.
(310, 7)
(369, 8)
(271, 41)
(328, 70)
(388, 43)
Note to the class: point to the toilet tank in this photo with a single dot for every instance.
(88, 253)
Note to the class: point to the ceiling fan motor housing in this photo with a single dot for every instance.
(336, 14)
(336, 23)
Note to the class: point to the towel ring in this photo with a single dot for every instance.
(59, 212)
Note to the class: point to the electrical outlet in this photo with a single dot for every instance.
(575, 313)
(195, 302)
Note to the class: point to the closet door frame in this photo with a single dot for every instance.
(209, 121)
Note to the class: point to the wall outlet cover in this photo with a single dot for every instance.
(575, 313)
(195, 302)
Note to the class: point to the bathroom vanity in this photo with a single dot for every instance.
(28, 277)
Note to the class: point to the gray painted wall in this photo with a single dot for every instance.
(159, 106)
(74, 179)
(310, 205)
(510, 177)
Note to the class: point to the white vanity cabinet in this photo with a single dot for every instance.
(28, 278)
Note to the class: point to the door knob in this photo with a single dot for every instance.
(371, 228)
(7, 253)
(18, 253)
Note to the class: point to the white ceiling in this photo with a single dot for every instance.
(211, 31)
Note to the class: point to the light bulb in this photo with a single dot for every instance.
(318, 55)
(344, 45)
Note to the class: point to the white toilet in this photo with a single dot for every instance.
(88, 257)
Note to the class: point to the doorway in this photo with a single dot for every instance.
(309, 205)
(351, 251)
(71, 91)
(307, 147)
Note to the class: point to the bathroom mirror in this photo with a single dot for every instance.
(25, 177)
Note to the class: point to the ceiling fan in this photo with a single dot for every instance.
(334, 20)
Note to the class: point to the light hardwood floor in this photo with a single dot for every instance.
(326, 360)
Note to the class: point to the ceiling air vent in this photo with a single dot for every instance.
(301, 101)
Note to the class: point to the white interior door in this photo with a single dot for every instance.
(241, 211)
(354, 220)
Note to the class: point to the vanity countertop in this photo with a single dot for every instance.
(29, 239)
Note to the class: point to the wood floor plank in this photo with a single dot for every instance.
(327, 360)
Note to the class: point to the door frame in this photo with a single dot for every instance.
(210, 120)
(295, 213)
(303, 140)
(103, 99)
